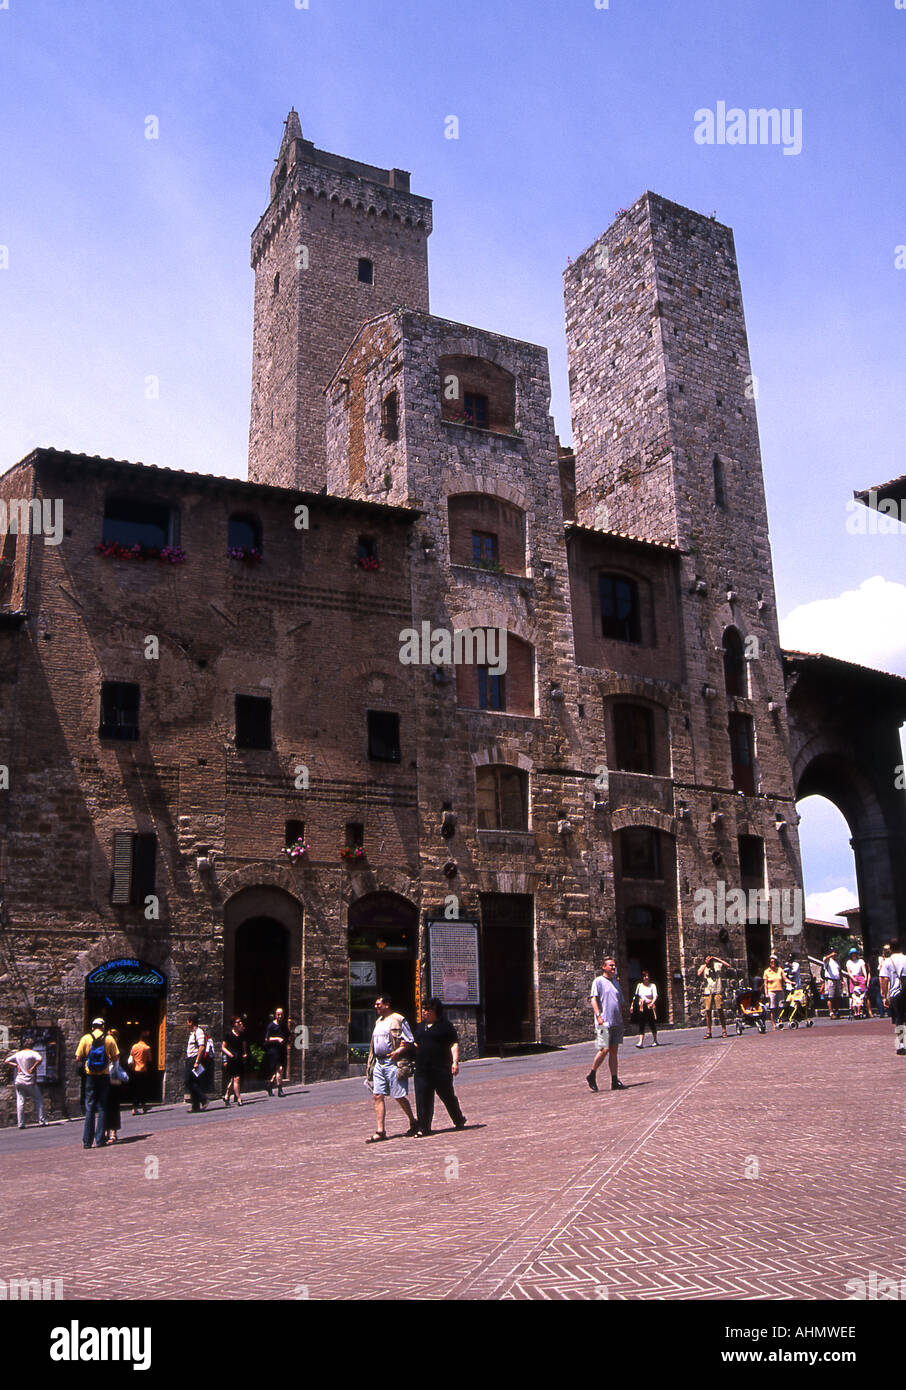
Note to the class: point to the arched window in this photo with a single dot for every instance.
(130, 521)
(476, 392)
(735, 679)
(502, 797)
(244, 536)
(640, 852)
(620, 610)
(486, 533)
(510, 693)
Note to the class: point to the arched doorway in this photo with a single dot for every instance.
(844, 739)
(646, 949)
(131, 997)
(261, 975)
(263, 962)
(383, 949)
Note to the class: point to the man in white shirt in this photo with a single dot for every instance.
(607, 1003)
(832, 984)
(26, 1062)
(893, 993)
(196, 1045)
(391, 1042)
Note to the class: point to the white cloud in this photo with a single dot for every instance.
(825, 906)
(865, 625)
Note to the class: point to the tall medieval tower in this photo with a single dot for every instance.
(340, 243)
(666, 444)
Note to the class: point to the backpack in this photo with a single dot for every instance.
(97, 1055)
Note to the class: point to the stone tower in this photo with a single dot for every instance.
(666, 444)
(340, 243)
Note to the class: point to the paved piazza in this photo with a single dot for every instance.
(720, 1173)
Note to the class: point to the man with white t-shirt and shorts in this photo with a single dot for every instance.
(893, 993)
(832, 985)
(607, 1003)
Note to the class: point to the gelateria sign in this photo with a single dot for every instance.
(126, 977)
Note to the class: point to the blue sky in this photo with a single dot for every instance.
(128, 257)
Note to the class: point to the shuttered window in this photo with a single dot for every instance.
(134, 867)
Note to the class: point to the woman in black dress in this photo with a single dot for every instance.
(436, 1064)
(275, 1042)
(234, 1049)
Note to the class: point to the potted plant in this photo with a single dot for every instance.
(297, 849)
(352, 852)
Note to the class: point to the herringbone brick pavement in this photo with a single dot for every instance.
(551, 1193)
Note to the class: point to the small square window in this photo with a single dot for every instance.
(355, 834)
(476, 410)
(383, 736)
(366, 271)
(253, 721)
(294, 830)
(491, 690)
(119, 710)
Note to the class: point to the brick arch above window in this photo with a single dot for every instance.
(495, 487)
(507, 756)
(636, 688)
(626, 818)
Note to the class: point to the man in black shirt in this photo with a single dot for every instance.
(436, 1064)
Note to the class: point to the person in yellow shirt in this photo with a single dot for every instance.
(95, 1052)
(776, 983)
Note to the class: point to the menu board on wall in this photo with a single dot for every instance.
(454, 961)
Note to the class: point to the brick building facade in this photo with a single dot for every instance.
(171, 724)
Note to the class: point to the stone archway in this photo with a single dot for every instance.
(263, 960)
(844, 723)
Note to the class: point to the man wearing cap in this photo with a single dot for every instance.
(711, 975)
(832, 984)
(95, 1052)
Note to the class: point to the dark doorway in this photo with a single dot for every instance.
(758, 947)
(646, 950)
(130, 997)
(261, 976)
(383, 942)
(508, 961)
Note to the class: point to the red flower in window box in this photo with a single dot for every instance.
(353, 852)
(369, 562)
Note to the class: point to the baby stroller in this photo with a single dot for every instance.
(796, 1008)
(750, 1011)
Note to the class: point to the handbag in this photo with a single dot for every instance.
(117, 1074)
(405, 1065)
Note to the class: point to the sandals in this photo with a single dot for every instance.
(376, 1137)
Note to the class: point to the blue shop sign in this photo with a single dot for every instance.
(126, 978)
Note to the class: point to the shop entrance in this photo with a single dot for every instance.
(130, 996)
(383, 942)
(508, 959)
